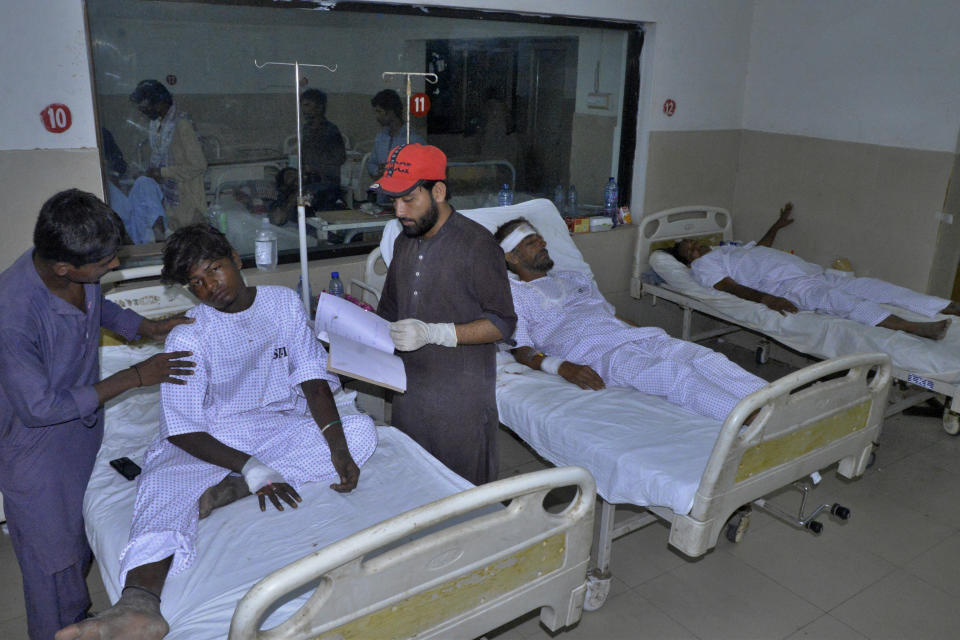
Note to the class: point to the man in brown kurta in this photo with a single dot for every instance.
(449, 302)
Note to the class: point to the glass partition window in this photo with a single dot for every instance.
(532, 103)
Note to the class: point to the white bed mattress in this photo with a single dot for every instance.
(238, 544)
(641, 449)
(822, 335)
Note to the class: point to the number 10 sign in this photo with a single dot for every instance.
(419, 104)
(56, 117)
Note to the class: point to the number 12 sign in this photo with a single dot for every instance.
(56, 117)
(419, 104)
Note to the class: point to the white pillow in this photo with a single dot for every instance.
(678, 276)
(540, 212)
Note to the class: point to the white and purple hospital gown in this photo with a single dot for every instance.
(807, 285)
(563, 314)
(245, 392)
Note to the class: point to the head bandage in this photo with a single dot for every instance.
(516, 236)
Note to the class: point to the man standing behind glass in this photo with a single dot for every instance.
(177, 162)
(323, 151)
(448, 300)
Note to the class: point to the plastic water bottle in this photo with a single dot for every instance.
(505, 196)
(610, 199)
(572, 201)
(335, 288)
(559, 198)
(265, 246)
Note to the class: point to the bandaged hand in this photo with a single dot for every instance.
(259, 475)
(410, 334)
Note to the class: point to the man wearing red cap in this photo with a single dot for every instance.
(449, 302)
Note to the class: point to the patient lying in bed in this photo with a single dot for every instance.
(565, 327)
(786, 283)
(260, 405)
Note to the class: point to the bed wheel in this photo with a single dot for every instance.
(737, 526)
(872, 460)
(951, 420)
(815, 526)
(598, 588)
(840, 511)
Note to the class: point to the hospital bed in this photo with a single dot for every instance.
(929, 367)
(690, 471)
(415, 550)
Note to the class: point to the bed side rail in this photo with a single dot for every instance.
(828, 412)
(472, 576)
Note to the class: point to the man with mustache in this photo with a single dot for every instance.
(447, 296)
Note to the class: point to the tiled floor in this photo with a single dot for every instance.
(891, 571)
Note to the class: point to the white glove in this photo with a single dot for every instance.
(259, 475)
(410, 334)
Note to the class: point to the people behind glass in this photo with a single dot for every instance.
(176, 162)
(323, 151)
(389, 113)
(139, 205)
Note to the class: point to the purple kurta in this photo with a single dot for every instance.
(50, 421)
(450, 406)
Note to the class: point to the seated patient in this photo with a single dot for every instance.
(786, 283)
(565, 327)
(259, 405)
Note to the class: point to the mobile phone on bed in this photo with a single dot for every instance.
(126, 467)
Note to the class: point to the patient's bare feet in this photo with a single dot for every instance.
(952, 309)
(136, 616)
(230, 489)
(933, 330)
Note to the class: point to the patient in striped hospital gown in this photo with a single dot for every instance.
(259, 404)
(566, 327)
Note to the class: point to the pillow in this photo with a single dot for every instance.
(675, 273)
(541, 213)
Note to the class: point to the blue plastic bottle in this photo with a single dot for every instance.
(558, 198)
(572, 202)
(335, 288)
(505, 196)
(611, 200)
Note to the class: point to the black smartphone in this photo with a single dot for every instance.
(126, 467)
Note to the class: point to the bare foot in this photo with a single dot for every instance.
(952, 309)
(933, 330)
(136, 616)
(230, 489)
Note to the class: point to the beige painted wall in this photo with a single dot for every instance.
(33, 176)
(946, 259)
(691, 167)
(875, 205)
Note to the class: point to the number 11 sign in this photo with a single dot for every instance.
(419, 104)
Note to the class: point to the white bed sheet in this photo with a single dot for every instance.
(822, 335)
(640, 448)
(238, 544)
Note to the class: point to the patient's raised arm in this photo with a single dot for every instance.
(782, 221)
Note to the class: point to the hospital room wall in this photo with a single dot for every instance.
(850, 111)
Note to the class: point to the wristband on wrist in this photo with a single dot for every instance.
(139, 384)
(147, 591)
(330, 424)
(551, 365)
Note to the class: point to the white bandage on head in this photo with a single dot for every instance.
(516, 236)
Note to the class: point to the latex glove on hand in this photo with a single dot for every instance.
(259, 475)
(410, 334)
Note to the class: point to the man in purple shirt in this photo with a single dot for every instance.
(51, 398)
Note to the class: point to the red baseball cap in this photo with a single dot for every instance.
(410, 165)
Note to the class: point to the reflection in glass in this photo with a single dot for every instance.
(516, 103)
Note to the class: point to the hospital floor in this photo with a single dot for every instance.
(891, 571)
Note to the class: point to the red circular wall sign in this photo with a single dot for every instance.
(419, 104)
(669, 107)
(171, 79)
(56, 117)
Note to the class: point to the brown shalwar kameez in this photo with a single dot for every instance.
(459, 275)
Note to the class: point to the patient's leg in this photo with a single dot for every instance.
(135, 616)
(230, 489)
(933, 330)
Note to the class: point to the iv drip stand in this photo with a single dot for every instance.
(301, 207)
(429, 77)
